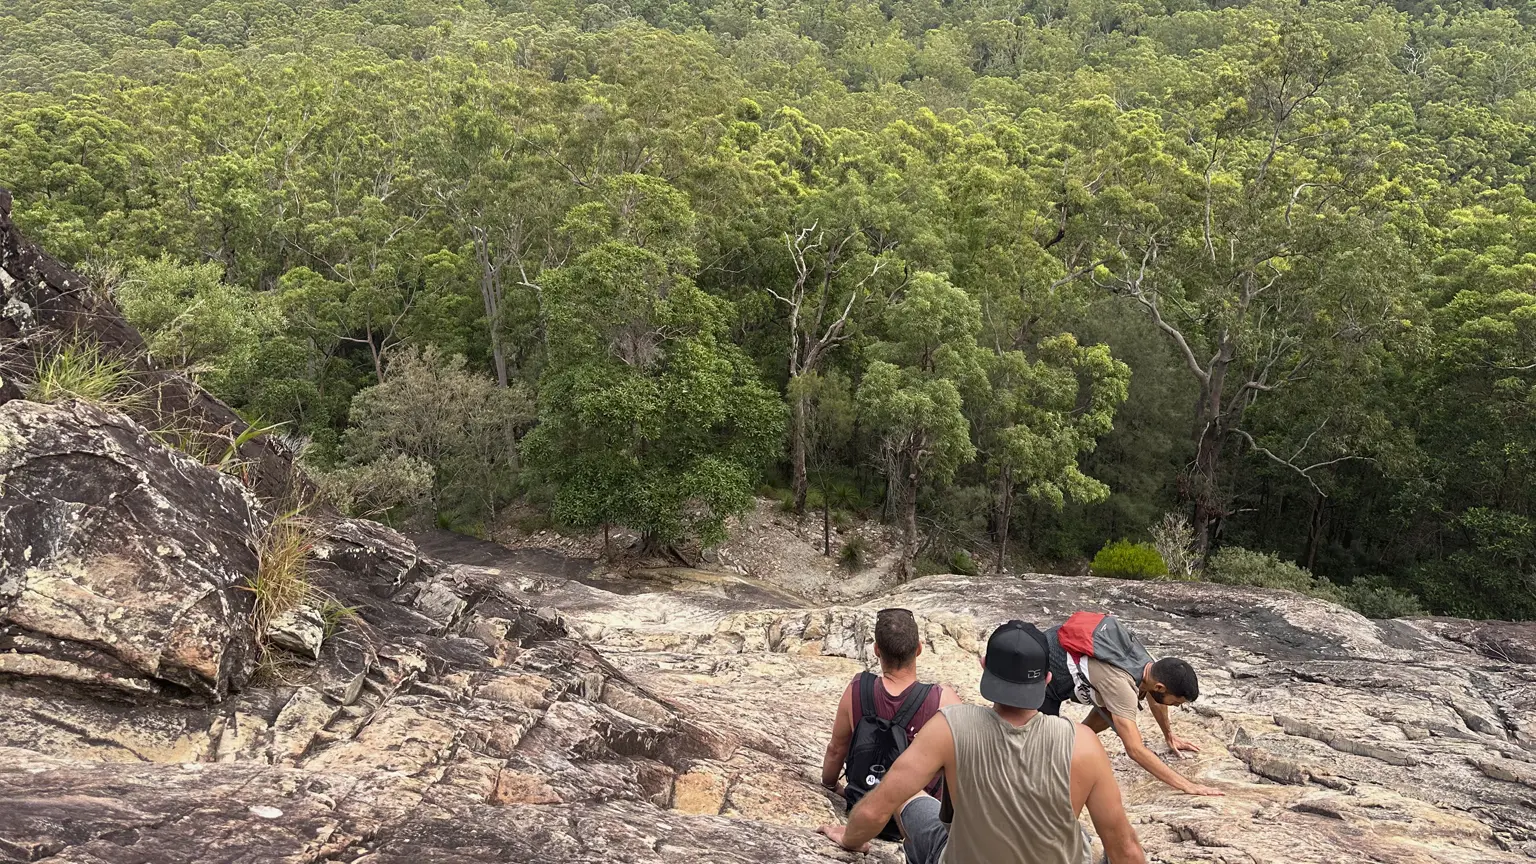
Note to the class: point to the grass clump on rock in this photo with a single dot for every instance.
(80, 371)
(281, 583)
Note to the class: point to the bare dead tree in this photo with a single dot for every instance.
(816, 323)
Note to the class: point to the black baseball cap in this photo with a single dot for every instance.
(1017, 664)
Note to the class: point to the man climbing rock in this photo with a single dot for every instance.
(880, 714)
(1017, 777)
(1096, 660)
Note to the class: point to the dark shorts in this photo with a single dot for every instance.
(926, 835)
(1060, 690)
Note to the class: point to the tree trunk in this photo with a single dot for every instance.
(490, 294)
(909, 523)
(1315, 531)
(826, 523)
(1210, 436)
(797, 448)
(1004, 514)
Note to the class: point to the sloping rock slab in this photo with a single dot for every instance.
(81, 813)
(119, 558)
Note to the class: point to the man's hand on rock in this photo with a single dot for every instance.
(1210, 791)
(835, 833)
(1177, 744)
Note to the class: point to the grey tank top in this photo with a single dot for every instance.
(1013, 790)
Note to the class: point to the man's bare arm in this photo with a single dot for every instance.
(948, 696)
(1165, 723)
(1091, 763)
(931, 750)
(837, 745)
(1137, 749)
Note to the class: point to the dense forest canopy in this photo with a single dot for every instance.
(1022, 275)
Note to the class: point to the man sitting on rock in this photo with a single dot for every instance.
(1017, 778)
(874, 707)
(1096, 660)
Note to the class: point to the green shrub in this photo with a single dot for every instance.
(855, 552)
(1123, 559)
(961, 562)
(1234, 565)
(1375, 597)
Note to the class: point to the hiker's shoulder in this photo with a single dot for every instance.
(944, 694)
(963, 711)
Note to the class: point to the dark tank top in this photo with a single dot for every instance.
(886, 707)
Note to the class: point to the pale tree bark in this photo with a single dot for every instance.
(1005, 514)
(906, 464)
(491, 265)
(816, 324)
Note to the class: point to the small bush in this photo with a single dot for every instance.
(1375, 597)
(855, 552)
(80, 371)
(842, 520)
(281, 583)
(961, 562)
(926, 565)
(1123, 559)
(389, 483)
(1235, 565)
(1174, 540)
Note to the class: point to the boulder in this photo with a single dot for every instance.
(121, 560)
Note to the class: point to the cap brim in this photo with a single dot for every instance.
(1026, 696)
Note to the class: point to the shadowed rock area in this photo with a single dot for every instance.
(459, 702)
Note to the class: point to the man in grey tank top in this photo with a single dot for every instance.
(1017, 777)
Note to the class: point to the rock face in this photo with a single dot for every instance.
(120, 561)
(447, 717)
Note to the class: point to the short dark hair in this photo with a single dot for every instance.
(896, 636)
(1178, 676)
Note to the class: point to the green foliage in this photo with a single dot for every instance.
(394, 484)
(1233, 565)
(194, 321)
(1307, 228)
(648, 418)
(334, 615)
(961, 562)
(1123, 559)
(431, 415)
(1376, 597)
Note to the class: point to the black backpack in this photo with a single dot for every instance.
(877, 742)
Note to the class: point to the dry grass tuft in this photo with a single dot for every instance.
(281, 583)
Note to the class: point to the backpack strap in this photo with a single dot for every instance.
(910, 706)
(867, 695)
